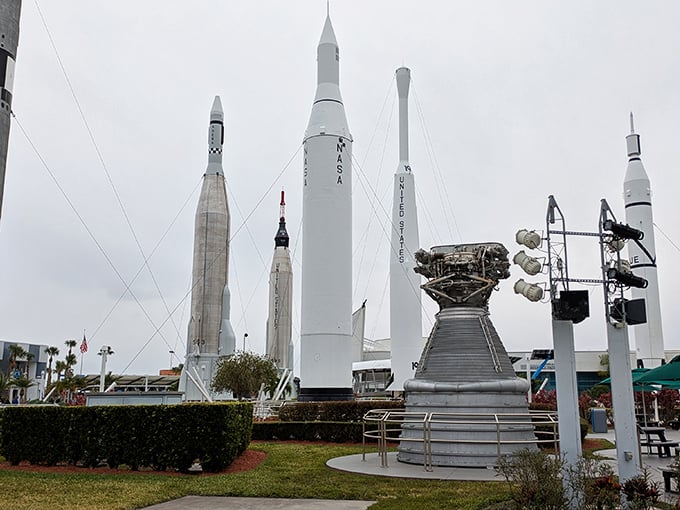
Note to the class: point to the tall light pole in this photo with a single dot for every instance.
(616, 275)
(570, 307)
(104, 352)
(567, 307)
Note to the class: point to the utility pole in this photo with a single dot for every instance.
(104, 352)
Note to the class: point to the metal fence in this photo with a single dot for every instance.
(389, 426)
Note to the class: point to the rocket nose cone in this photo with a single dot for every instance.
(403, 75)
(328, 35)
(216, 111)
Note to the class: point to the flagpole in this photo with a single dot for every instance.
(82, 352)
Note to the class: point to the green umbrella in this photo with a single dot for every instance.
(636, 373)
(669, 373)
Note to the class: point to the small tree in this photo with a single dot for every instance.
(243, 373)
(23, 383)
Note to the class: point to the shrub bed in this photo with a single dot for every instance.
(335, 411)
(329, 431)
(159, 436)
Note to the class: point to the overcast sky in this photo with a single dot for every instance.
(510, 102)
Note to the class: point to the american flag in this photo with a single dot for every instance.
(83, 345)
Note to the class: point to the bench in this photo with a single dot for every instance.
(668, 473)
(663, 447)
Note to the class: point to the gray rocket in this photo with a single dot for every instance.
(279, 323)
(210, 332)
(10, 10)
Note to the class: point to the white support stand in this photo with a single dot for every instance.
(527, 358)
(569, 425)
(627, 451)
(196, 379)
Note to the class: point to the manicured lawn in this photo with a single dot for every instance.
(289, 471)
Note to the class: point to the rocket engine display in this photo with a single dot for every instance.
(326, 299)
(464, 368)
(210, 333)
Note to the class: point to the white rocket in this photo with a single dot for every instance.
(326, 300)
(637, 195)
(210, 332)
(405, 295)
(279, 322)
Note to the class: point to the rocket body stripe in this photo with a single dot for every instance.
(10, 12)
(326, 300)
(405, 294)
(210, 334)
(638, 209)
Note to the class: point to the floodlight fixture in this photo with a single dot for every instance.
(623, 231)
(634, 311)
(572, 305)
(627, 279)
(625, 266)
(531, 291)
(529, 238)
(530, 265)
(615, 244)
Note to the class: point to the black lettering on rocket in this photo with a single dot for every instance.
(338, 149)
(304, 166)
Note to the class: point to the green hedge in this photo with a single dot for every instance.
(155, 436)
(335, 411)
(330, 431)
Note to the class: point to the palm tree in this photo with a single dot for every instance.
(70, 344)
(23, 383)
(4, 384)
(28, 356)
(52, 352)
(109, 379)
(60, 367)
(71, 360)
(15, 352)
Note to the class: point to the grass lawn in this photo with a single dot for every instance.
(289, 471)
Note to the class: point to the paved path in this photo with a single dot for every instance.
(225, 503)
(652, 463)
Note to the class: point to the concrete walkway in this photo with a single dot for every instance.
(652, 463)
(226, 503)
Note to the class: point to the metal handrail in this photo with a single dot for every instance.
(385, 417)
